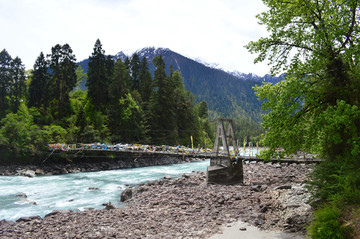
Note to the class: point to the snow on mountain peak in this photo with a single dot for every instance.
(204, 62)
(146, 51)
(244, 75)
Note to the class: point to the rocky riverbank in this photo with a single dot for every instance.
(89, 165)
(272, 197)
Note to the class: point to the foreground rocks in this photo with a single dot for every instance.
(272, 197)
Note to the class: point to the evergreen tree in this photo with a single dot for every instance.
(119, 82)
(206, 130)
(127, 63)
(203, 111)
(38, 88)
(186, 118)
(12, 83)
(145, 89)
(135, 71)
(127, 121)
(78, 120)
(63, 78)
(163, 106)
(98, 77)
(5, 81)
(80, 77)
(109, 68)
(145, 81)
(18, 88)
(117, 90)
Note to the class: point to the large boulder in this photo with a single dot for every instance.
(29, 173)
(39, 172)
(28, 219)
(21, 195)
(126, 194)
(56, 212)
(108, 206)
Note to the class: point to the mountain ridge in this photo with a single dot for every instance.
(157, 50)
(228, 94)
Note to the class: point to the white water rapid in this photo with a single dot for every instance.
(78, 191)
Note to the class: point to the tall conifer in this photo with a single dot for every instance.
(163, 108)
(135, 71)
(98, 79)
(145, 81)
(63, 78)
(12, 83)
(5, 81)
(18, 88)
(38, 88)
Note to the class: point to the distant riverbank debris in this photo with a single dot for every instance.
(146, 148)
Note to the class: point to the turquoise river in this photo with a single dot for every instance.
(76, 191)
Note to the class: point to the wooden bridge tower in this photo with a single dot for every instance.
(225, 168)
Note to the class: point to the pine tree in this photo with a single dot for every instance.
(145, 81)
(109, 68)
(5, 81)
(145, 89)
(135, 71)
(186, 118)
(206, 131)
(119, 82)
(18, 86)
(127, 121)
(63, 78)
(163, 106)
(203, 110)
(98, 77)
(38, 88)
(117, 90)
(12, 83)
(127, 63)
(80, 77)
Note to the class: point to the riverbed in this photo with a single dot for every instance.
(23, 196)
(273, 197)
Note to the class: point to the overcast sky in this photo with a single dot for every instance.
(213, 30)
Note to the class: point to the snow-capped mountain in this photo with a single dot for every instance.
(263, 79)
(204, 62)
(226, 93)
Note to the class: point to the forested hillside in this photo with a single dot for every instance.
(227, 94)
(123, 102)
(154, 96)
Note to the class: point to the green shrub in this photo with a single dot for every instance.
(336, 181)
(327, 224)
(54, 134)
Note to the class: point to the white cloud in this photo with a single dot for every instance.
(214, 30)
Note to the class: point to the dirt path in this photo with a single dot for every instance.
(245, 231)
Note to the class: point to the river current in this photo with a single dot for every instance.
(23, 197)
(78, 191)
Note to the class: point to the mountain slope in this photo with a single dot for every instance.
(227, 95)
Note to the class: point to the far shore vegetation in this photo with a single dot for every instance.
(123, 103)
